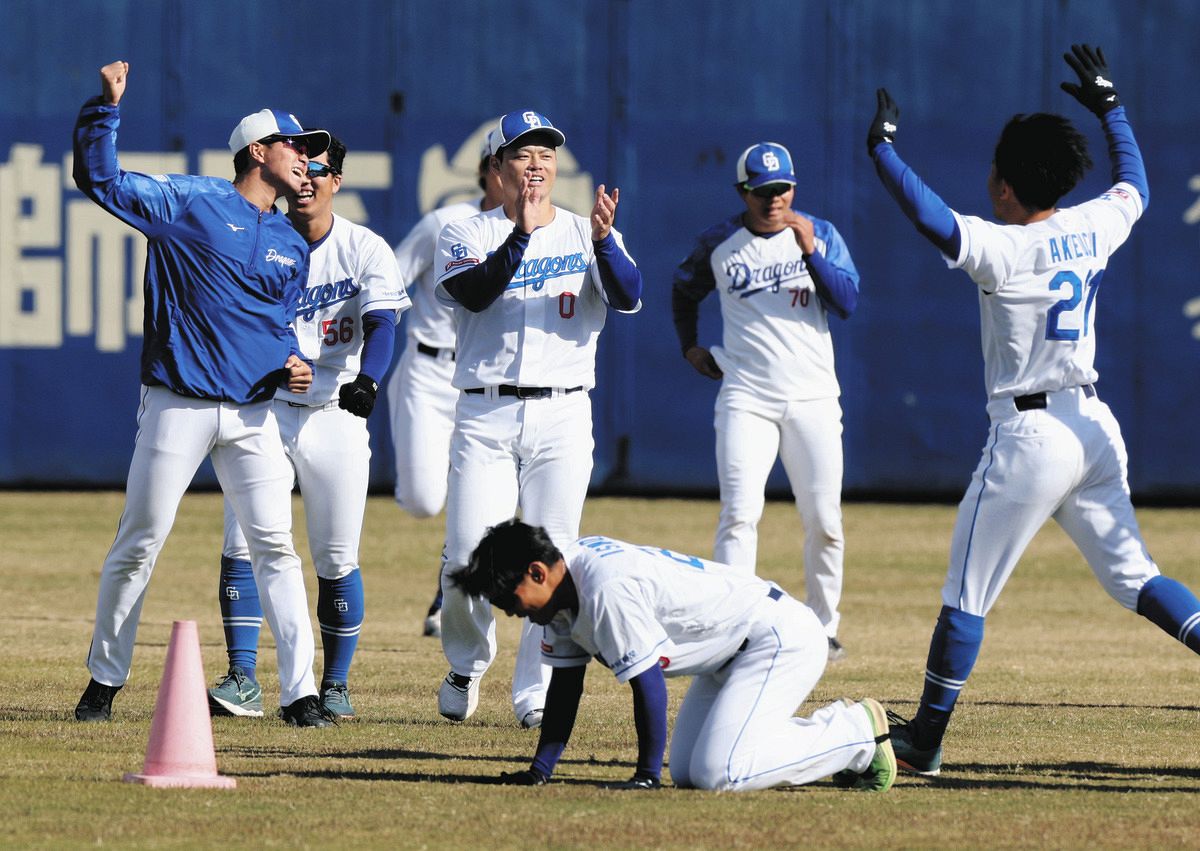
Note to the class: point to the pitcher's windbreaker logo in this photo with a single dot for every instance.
(748, 281)
(274, 256)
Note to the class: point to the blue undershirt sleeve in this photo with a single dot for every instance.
(934, 220)
(379, 336)
(621, 279)
(692, 283)
(558, 717)
(837, 288)
(650, 718)
(477, 287)
(1126, 156)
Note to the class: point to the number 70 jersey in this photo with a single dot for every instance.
(1037, 290)
(352, 271)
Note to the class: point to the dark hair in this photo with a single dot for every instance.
(241, 161)
(1042, 157)
(484, 164)
(336, 152)
(499, 562)
(543, 138)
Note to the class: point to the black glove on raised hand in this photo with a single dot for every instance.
(638, 781)
(358, 397)
(1095, 90)
(528, 777)
(885, 123)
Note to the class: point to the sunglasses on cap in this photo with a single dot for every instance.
(297, 145)
(771, 190)
(316, 169)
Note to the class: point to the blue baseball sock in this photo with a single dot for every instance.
(952, 654)
(1173, 607)
(340, 611)
(241, 613)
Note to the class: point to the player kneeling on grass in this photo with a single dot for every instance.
(754, 652)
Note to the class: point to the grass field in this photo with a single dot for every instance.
(1078, 728)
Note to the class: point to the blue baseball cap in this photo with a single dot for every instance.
(276, 122)
(514, 125)
(766, 162)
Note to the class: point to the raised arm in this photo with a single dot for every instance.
(1096, 92)
(933, 219)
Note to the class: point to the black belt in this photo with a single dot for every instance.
(1038, 400)
(775, 594)
(522, 392)
(433, 351)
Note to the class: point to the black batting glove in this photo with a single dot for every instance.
(358, 397)
(885, 123)
(528, 777)
(1095, 90)
(638, 781)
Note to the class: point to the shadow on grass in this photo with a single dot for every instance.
(417, 777)
(1072, 776)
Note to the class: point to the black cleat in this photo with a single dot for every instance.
(308, 712)
(96, 703)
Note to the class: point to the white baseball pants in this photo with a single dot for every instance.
(508, 454)
(807, 437)
(1066, 461)
(330, 454)
(736, 729)
(421, 402)
(176, 433)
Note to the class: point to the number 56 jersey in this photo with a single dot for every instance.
(1037, 290)
(352, 271)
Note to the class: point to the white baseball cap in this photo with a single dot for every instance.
(276, 122)
(513, 125)
(766, 162)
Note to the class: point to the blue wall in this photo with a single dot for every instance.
(657, 97)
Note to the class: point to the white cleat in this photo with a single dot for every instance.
(458, 697)
(532, 719)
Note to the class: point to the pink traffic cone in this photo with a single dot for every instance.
(180, 753)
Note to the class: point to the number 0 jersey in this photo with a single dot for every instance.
(352, 271)
(644, 606)
(1037, 290)
(542, 330)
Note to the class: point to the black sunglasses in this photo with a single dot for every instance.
(321, 170)
(297, 145)
(771, 190)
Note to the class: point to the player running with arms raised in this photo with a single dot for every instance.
(1053, 449)
(754, 654)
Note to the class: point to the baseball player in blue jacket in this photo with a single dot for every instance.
(1054, 449)
(224, 271)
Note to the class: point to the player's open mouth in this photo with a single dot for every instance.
(305, 195)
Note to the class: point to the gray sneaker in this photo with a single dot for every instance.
(237, 695)
(336, 698)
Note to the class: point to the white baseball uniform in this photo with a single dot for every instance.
(1065, 458)
(352, 271)
(421, 398)
(509, 453)
(754, 652)
(779, 394)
